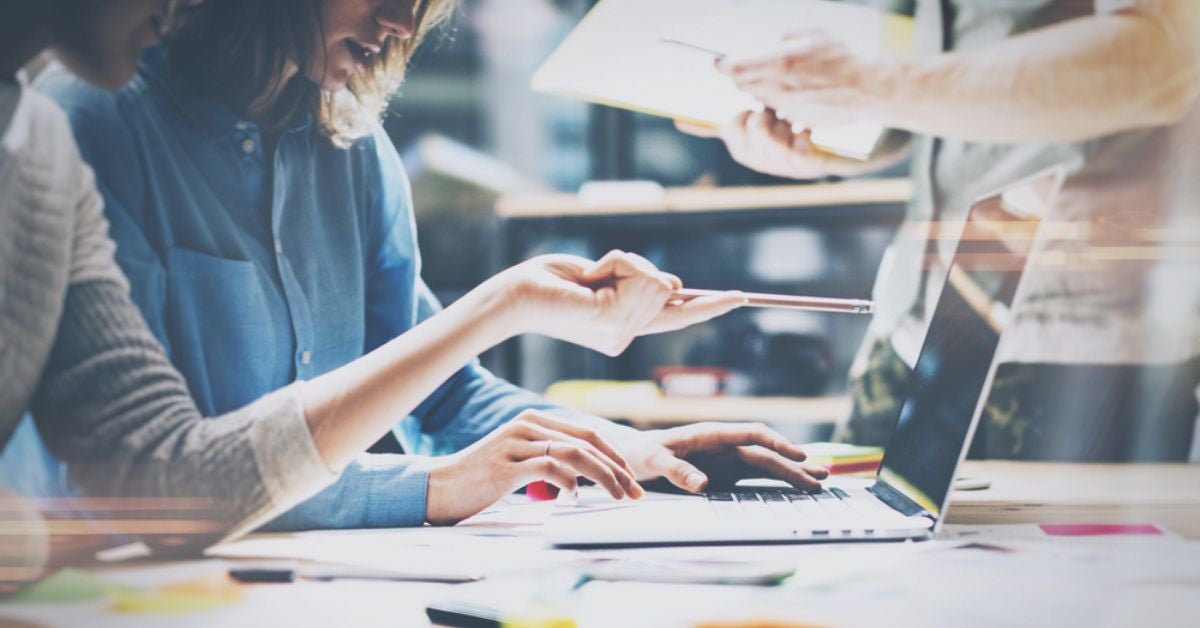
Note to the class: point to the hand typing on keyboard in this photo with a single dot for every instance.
(693, 457)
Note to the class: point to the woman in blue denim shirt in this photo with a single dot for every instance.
(265, 221)
(76, 352)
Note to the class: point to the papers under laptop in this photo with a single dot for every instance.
(935, 424)
(656, 56)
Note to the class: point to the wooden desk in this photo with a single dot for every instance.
(922, 582)
(1033, 492)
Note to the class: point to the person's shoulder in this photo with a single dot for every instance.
(384, 177)
(39, 132)
(37, 111)
(41, 150)
(381, 153)
(79, 99)
(102, 121)
(375, 157)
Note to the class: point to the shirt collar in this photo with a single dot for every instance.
(215, 118)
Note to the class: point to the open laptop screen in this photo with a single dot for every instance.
(952, 372)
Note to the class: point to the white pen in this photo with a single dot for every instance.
(716, 54)
(819, 304)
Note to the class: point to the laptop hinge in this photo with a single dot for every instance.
(898, 501)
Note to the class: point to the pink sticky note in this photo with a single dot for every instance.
(1098, 529)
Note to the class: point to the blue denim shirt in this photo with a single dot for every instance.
(252, 279)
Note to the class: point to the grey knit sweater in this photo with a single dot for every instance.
(75, 350)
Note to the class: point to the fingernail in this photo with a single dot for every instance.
(694, 481)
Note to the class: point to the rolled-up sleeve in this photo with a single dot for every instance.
(374, 491)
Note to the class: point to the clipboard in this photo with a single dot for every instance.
(627, 54)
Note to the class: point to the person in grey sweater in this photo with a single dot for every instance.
(75, 350)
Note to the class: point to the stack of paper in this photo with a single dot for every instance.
(628, 54)
(844, 458)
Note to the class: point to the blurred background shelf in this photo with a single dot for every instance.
(709, 198)
(670, 411)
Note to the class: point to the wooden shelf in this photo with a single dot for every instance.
(666, 411)
(710, 199)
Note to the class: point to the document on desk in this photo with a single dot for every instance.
(656, 56)
(409, 554)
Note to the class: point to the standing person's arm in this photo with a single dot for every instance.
(1075, 80)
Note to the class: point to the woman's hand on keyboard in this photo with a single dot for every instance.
(534, 446)
(693, 456)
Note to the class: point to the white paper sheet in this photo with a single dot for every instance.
(622, 55)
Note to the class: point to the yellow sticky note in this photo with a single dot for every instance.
(899, 33)
(539, 613)
(518, 621)
(190, 596)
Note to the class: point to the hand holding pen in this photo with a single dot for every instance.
(818, 304)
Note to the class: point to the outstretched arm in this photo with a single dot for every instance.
(1079, 79)
(111, 405)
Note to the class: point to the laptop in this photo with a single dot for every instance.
(935, 424)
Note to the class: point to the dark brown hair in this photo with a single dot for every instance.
(238, 50)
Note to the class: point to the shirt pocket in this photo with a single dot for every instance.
(227, 327)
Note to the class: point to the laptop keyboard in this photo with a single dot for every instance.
(824, 512)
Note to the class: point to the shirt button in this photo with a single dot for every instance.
(278, 247)
(306, 358)
(248, 146)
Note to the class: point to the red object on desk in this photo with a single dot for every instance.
(541, 491)
(868, 466)
(1098, 529)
